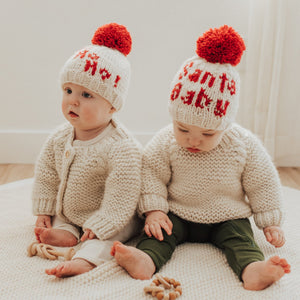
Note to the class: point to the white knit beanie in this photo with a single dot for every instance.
(103, 67)
(205, 90)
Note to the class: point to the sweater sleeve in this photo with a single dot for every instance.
(262, 185)
(122, 190)
(156, 174)
(46, 181)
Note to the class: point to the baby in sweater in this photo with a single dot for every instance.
(87, 177)
(204, 176)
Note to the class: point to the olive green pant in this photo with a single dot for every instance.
(234, 237)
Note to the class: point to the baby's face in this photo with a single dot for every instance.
(195, 139)
(87, 111)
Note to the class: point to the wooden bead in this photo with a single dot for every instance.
(160, 295)
(179, 289)
(172, 295)
(155, 281)
(160, 284)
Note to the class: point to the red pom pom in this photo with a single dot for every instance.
(113, 36)
(221, 45)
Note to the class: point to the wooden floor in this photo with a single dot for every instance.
(12, 172)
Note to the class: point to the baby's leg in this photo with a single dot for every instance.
(261, 274)
(236, 238)
(55, 237)
(150, 254)
(137, 263)
(71, 268)
(93, 253)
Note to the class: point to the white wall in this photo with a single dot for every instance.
(288, 121)
(37, 37)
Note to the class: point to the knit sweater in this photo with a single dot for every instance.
(235, 180)
(93, 184)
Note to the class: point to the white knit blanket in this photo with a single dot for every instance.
(201, 268)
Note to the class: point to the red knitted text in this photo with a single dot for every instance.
(176, 91)
(189, 97)
(104, 73)
(200, 96)
(81, 54)
(117, 80)
(219, 110)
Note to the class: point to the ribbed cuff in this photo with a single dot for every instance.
(43, 207)
(269, 218)
(152, 202)
(100, 226)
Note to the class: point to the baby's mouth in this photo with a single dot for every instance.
(193, 150)
(72, 114)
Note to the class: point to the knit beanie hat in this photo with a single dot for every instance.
(103, 67)
(205, 90)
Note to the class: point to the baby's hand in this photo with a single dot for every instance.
(43, 221)
(155, 221)
(274, 235)
(88, 235)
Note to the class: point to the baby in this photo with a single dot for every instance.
(204, 175)
(87, 177)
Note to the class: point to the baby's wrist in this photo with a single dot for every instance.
(151, 212)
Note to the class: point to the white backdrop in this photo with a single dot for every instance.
(270, 103)
(37, 37)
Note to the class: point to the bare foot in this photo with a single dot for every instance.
(71, 268)
(137, 263)
(261, 274)
(55, 237)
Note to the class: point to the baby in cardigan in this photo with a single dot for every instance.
(87, 177)
(204, 176)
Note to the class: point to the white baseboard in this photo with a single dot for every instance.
(24, 146)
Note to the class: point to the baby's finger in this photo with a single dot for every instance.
(156, 231)
(39, 224)
(166, 227)
(92, 235)
(38, 238)
(280, 242)
(268, 236)
(169, 222)
(48, 223)
(147, 230)
(84, 236)
(275, 236)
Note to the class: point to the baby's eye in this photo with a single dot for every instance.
(68, 90)
(86, 95)
(182, 130)
(208, 134)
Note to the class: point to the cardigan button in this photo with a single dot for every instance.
(67, 153)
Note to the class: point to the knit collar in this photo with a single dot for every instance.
(103, 134)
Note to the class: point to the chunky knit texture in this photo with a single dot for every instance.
(93, 184)
(210, 187)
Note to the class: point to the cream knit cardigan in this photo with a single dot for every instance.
(210, 187)
(93, 184)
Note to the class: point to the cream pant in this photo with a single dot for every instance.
(96, 251)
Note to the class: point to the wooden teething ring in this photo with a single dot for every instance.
(160, 285)
(47, 251)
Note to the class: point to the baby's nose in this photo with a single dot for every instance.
(73, 100)
(194, 141)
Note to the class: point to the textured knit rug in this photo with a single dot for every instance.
(201, 268)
